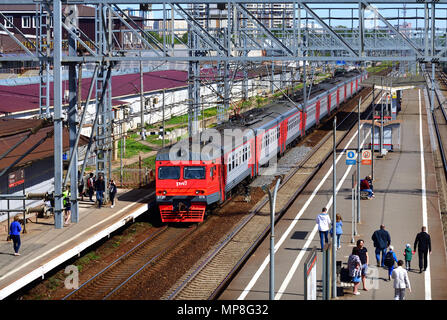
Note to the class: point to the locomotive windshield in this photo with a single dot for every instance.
(168, 173)
(194, 173)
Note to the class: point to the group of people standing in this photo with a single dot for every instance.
(385, 255)
(93, 185)
(98, 185)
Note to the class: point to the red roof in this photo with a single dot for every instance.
(13, 130)
(26, 97)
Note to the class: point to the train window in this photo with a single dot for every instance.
(165, 173)
(194, 172)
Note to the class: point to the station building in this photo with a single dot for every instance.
(37, 166)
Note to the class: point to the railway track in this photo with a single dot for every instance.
(157, 250)
(111, 279)
(211, 275)
(439, 116)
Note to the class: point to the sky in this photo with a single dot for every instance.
(345, 12)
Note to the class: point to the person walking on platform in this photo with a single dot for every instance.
(390, 259)
(362, 252)
(67, 204)
(401, 281)
(100, 187)
(323, 221)
(90, 186)
(112, 192)
(338, 229)
(80, 185)
(381, 240)
(355, 269)
(14, 232)
(424, 242)
(408, 254)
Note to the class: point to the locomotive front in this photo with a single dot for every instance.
(185, 187)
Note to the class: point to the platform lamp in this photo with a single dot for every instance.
(272, 201)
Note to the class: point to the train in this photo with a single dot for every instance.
(200, 172)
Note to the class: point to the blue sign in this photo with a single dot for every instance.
(340, 63)
(350, 158)
(65, 156)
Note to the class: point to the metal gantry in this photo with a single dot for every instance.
(231, 35)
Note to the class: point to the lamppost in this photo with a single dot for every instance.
(272, 201)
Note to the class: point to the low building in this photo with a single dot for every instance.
(38, 165)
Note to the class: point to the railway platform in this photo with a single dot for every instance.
(406, 198)
(44, 247)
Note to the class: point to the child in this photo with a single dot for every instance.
(408, 253)
(338, 228)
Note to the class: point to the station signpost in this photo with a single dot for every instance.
(310, 275)
(366, 157)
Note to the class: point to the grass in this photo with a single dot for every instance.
(380, 67)
(89, 257)
(133, 147)
(155, 140)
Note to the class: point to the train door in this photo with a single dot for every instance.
(338, 96)
(329, 103)
(317, 112)
(303, 123)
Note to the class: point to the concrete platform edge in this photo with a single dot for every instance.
(42, 270)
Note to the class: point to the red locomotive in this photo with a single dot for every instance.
(199, 172)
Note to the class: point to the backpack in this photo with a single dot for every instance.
(389, 259)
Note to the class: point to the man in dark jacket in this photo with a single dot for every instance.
(100, 187)
(424, 242)
(381, 240)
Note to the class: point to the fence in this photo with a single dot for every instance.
(132, 177)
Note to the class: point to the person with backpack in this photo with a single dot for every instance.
(90, 186)
(381, 240)
(390, 259)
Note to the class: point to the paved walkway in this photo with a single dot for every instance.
(44, 247)
(406, 199)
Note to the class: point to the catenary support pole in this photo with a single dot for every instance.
(358, 161)
(57, 76)
(334, 210)
(373, 129)
(72, 123)
(272, 201)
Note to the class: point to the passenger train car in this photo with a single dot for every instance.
(200, 172)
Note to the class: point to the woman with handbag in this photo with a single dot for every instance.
(355, 269)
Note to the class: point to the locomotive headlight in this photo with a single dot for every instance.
(164, 192)
(197, 191)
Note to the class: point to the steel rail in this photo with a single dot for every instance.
(122, 257)
(438, 134)
(254, 212)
